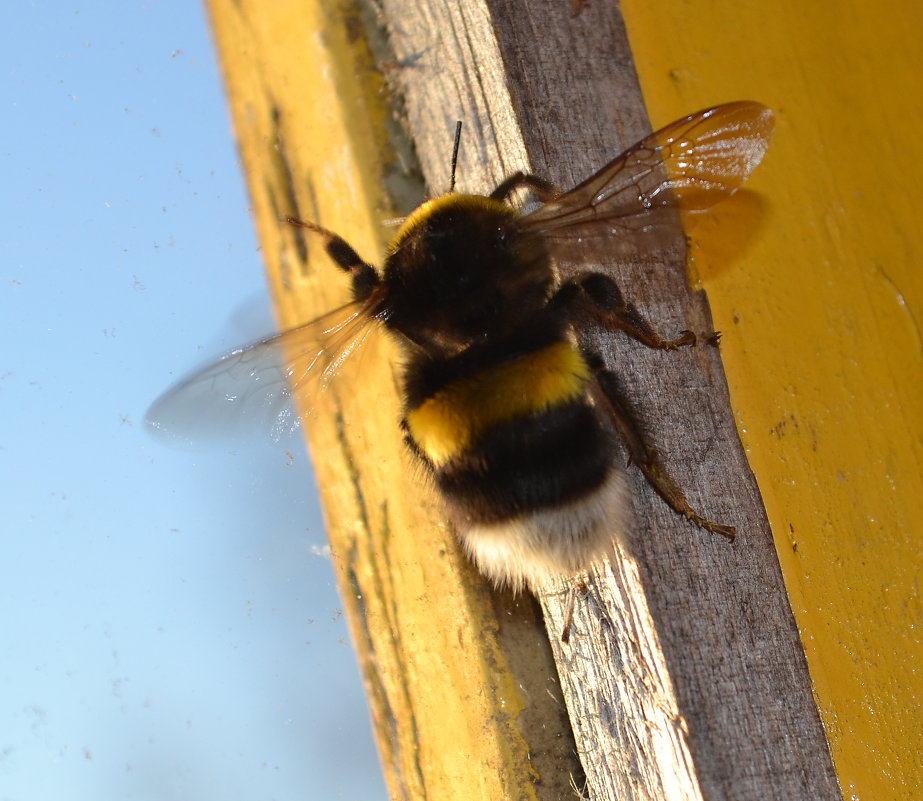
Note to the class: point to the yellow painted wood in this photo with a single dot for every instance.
(816, 279)
(455, 714)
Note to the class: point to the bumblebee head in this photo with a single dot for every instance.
(462, 270)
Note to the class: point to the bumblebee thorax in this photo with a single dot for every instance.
(462, 269)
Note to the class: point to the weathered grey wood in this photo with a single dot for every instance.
(685, 677)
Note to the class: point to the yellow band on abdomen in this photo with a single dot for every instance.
(453, 419)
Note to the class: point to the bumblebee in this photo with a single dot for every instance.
(512, 420)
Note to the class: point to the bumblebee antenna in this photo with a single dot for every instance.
(455, 154)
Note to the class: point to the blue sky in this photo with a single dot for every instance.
(170, 626)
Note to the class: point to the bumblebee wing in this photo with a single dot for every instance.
(252, 388)
(689, 166)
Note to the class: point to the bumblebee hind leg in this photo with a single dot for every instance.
(600, 297)
(608, 394)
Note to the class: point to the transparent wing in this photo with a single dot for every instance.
(689, 166)
(252, 388)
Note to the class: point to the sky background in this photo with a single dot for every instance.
(170, 627)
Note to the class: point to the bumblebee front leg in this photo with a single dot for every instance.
(608, 394)
(601, 298)
(544, 190)
(365, 277)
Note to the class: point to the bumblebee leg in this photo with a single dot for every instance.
(609, 395)
(364, 276)
(600, 296)
(576, 585)
(545, 190)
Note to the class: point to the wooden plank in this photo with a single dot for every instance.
(675, 676)
(822, 312)
(705, 627)
(462, 687)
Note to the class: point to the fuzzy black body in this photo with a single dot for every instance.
(461, 272)
(496, 399)
(512, 421)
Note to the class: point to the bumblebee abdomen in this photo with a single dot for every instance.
(537, 497)
(454, 418)
(521, 456)
(545, 460)
(516, 435)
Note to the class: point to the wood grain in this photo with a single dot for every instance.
(717, 700)
(462, 687)
(685, 676)
(822, 308)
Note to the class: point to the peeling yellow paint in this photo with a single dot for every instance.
(309, 116)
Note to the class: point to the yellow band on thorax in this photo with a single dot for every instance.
(453, 201)
(453, 419)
